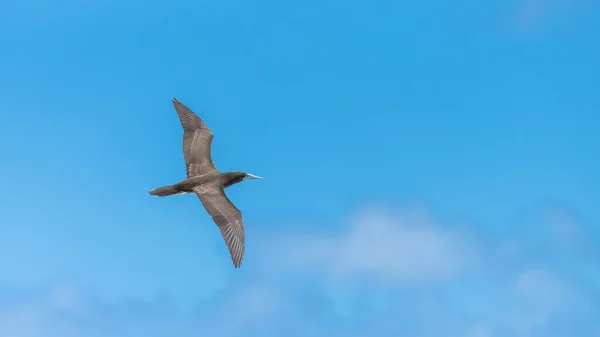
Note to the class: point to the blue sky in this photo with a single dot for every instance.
(431, 168)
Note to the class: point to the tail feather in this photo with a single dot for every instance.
(164, 191)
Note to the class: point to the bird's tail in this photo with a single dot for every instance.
(164, 191)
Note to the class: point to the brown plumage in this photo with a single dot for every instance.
(207, 183)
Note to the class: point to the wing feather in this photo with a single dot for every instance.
(227, 217)
(197, 141)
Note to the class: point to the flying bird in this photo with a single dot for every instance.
(207, 182)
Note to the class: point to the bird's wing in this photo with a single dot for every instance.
(227, 217)
(197, 141)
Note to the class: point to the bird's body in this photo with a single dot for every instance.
(207, 182)
(188, 185)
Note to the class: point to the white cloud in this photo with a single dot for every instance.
(406, 246)
(537, 13)
(37, 315)
(542, 296)
(382, 246)
(566, 231)
(541, 287)
(479, 330)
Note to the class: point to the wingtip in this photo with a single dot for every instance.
(175, 100)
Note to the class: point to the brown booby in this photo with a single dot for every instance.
(207, 183)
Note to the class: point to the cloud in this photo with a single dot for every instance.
(542, 295)
(566, 231)
(383, 272)
(38, 313)
(540, 287)
(530, 14)
(385, 246)
(479, 330)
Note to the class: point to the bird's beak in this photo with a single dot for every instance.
(252, 176)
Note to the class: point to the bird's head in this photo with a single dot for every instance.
(237, 177)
